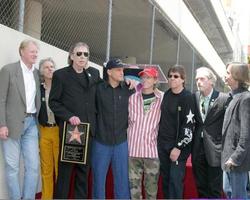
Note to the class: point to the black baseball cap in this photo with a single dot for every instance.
(115, 63)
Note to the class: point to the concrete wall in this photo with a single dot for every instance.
(9, 44)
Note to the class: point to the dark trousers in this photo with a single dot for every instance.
(208, 179)
(173, 174)
(64, 179)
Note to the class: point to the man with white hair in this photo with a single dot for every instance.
(206, 147)
(19, 108)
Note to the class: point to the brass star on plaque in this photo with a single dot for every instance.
(76, 135)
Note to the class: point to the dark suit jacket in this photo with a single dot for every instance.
(71, 97)
(13, 100)
(211, 128)
(236, 132)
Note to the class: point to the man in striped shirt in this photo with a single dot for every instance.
(144, 118)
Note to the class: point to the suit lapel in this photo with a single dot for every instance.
(20, 82)
(197, 96)
(229, 111)
(89, 77)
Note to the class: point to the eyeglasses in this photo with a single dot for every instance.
(175, 76)
(79, 53)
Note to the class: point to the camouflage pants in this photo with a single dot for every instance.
(150, 168)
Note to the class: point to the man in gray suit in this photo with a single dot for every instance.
(235, 158)
(19, 105)
(206, 147)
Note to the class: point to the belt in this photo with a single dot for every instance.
(30, 114)
(50, 124)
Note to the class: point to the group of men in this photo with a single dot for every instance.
(124, 122)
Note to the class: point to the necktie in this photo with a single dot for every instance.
(203, 110)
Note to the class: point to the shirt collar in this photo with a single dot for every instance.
(208, 97)
(157, 92)
(121, 84)
(238, 90)
(25, 68)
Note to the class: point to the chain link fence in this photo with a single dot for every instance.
(63, 22)
(9, 13)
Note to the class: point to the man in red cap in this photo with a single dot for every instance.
(144, 118)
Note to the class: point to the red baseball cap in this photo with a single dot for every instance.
(151, 72)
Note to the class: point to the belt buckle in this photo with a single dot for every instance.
(50, 124)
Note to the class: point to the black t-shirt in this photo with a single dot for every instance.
(147, 100)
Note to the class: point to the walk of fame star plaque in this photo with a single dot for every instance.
(75, 143)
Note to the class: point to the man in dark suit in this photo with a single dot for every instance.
(72, 99)
(19, 108)
(235, 160)
(206, 147)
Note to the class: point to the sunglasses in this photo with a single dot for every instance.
(175, 76)
(79, 53)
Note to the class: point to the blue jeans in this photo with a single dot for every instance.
(27, 145)
(102, 155)
(235, 184)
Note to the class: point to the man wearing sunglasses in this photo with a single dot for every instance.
(175, 133)
(72, 99)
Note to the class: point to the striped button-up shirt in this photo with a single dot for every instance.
(143, 126)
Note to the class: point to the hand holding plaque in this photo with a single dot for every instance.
(75, 143)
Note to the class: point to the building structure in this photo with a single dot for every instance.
(191, 33)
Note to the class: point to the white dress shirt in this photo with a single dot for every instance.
(30, 87)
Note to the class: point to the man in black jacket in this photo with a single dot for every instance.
(175, 133)
(72, 99)
(206, 146)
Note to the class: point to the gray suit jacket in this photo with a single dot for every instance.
(236, 132)
(211, 128)
(12, 98)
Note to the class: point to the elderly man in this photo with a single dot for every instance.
(206, 151)
(72, 99)
(19, 106)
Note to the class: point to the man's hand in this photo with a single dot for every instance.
(174, 154)
(74, 121)
(4, 132)
(132, 83)
(230, 164)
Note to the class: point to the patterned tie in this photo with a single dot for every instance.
(203, 110)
